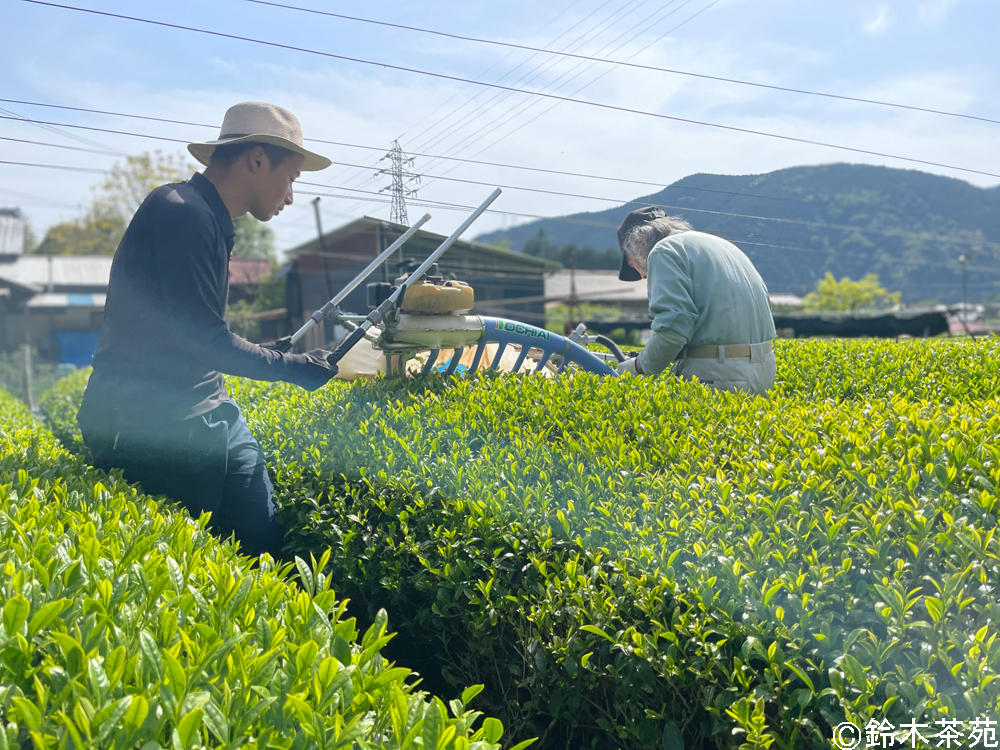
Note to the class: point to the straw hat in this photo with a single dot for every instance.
(258, 122)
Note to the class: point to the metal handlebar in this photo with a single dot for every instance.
(331, 306)
(378, 314)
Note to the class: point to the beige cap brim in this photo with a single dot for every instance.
(313, 162)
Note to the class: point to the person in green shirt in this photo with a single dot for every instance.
(711, 309)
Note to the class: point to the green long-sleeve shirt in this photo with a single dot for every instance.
(705, 289)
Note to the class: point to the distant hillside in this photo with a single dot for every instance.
(908, 227)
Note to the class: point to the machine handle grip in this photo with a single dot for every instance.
(346, 345)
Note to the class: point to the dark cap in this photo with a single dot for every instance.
(634, 219)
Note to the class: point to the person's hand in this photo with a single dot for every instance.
(281, 345)
(315, 370)
(630, 366)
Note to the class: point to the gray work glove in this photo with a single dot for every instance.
(311, 370)
(629, 366)
(281, 345)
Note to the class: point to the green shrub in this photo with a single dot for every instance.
(60, 403)
(125, 624)
(625, 563)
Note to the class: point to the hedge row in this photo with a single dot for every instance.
(645, 563)
(125, 624)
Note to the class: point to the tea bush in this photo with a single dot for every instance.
(647, 563)
(125, 624)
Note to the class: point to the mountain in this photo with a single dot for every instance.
(907, 226)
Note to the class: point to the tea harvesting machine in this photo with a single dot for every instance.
(424, 316)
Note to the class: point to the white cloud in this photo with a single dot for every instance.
(880, 21)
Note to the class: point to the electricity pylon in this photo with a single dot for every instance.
(397, 169)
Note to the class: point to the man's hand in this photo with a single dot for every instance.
(630, 366)
(281, 345)
(315, 370)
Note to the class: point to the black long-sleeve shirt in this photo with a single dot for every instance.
(165, 344)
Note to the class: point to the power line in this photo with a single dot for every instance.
(79, 139)
(98, 130)
(801, 222)
(532, 103)
(533, 74)
(659, 185)
(459, 207)
(540, 30)
(425, 202)
(626, 64)
(60, 145)
(524, 62)
(54, 166)
(526, 104)
(496, 97)
(459, 79)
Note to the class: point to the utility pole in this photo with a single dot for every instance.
(27, 377)
(572, 291)
(964, 259)
(397, 170)
(322, 254)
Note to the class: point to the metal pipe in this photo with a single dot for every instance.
(322, 248)
(342, 294)
(432, 259)
(378, 314)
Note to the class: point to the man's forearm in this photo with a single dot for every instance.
(230, 354)
(661, 351)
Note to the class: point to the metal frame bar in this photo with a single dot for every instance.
(339, 297)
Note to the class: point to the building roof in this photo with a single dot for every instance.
(786, 300)
(13, 231)
(57, 271)
(368, 223)
(594, 286)
(605, 287)
(59, 300)
(248, 270)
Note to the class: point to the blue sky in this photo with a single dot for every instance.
(940, 54)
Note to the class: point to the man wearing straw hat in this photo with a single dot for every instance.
(711, 310)
(156, 406)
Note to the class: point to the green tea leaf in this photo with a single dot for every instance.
(492, 729)
(136, 713)
(15, 614)
(672, 738)
(44, 616)
(471, 692)
(187, 727)
(597, 631)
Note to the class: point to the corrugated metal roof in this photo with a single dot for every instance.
(59, 300)
(594, 286)
(605, 286)
(60, 271)
(366, 223)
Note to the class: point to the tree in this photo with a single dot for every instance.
(93, 234)
(254, 239)
(849, 295)
(127, 185)
(587, 257)
(115, 201)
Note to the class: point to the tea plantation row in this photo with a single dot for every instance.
(125, 624)
(646, 563)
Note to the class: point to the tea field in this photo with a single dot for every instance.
(125, 624)
(634, 563)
